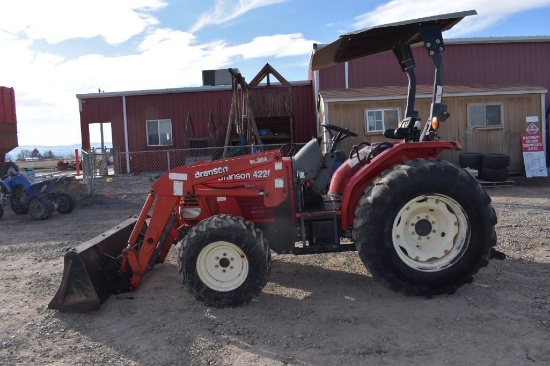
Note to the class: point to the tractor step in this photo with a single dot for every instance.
(320, 233)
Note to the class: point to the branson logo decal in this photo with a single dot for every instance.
(211, 172)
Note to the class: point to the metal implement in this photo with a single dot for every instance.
(88, 280)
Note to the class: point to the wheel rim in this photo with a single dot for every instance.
(430, 233)
(222, 266)
(36, 209)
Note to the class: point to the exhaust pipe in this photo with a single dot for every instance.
(92, 271)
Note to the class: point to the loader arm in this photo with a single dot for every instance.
(196, 181)
(250, 185)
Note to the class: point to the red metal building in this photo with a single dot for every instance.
(499, 60)
(193, 113)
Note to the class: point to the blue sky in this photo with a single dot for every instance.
(53, 50)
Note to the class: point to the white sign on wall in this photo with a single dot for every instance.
(533, 155)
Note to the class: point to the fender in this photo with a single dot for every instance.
(357, 180)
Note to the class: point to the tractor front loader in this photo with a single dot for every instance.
(421, 225)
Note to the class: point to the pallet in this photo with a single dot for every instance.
(506, 183)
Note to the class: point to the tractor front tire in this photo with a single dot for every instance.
(40, 208)
(425, 227)
(224, 261)
(64, 202)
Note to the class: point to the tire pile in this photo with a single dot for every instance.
(490, 167)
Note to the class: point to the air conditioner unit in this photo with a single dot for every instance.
(216, 77)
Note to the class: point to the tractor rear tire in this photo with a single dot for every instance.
(40, 208)
(65, 203)
(425, 227)
(224, 261)
(1, 211)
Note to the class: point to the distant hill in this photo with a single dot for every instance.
(60, 151)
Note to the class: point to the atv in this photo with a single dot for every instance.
(38, 198)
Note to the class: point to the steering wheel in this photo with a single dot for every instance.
(339, 129)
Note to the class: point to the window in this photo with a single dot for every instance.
(159, 132)
(379, 120)
(485, 115)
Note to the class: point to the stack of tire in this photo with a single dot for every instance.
(490, 167)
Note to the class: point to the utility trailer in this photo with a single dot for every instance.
(421, 225)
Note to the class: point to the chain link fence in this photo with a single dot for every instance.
(106, 163)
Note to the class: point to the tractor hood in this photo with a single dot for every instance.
(380, 38)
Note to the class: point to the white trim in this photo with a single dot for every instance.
(126, 143)
(469, 122)
(384, 127)
(158, 121)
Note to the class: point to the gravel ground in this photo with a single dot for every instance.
(322, 309)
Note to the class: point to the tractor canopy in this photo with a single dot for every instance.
(381, 38)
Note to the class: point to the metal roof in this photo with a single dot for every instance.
(482, 40)
(196, 89)
(425, 91)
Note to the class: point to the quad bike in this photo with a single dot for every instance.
(421, 226)
(38, 198)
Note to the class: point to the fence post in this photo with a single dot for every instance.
(77, 162)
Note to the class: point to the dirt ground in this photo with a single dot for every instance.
(322, 309)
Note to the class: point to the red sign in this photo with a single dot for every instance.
(531, 142)
(532, 128)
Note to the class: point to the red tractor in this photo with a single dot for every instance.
(421, 225)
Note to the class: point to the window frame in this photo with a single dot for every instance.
(487, 104)
(384, 127)
(170, 142)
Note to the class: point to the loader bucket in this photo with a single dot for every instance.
(88, 273)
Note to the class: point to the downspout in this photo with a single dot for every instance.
(126, 144)
(544, 116)
(316, 91)
(325, 132)
(346, 75)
